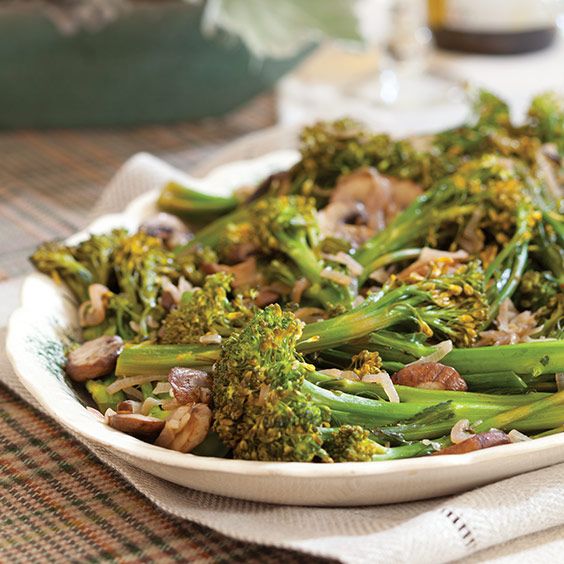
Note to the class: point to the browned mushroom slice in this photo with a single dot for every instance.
(190, 385)
(363, 202)
(430, 375)
(477, 442)
(371, 189)
(94, 359)
(186, 428)
(128, 406)
(345, 220)
(265, 297)
(135, 424)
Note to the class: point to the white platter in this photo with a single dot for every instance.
(47, 312)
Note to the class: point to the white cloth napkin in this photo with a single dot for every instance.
(519, 520)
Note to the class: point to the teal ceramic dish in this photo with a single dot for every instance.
(152, 65)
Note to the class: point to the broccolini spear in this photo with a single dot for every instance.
(288, 225)
(448, 304)
(57, 261)
(89, 262)
(206, 311)
(194, 205)
(539, 412)
(140, 262)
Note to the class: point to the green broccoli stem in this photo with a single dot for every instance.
(536, 415)
(395, 256)
(377, 312)
(407, 228)
(550, 432)
(421, 395)
(413, 450)
(507, 282)
(521, 418)
(191, 204)
(370, 413)
(542, 414)
(210, 235)
(310, 266)
(140, 360)
(535, 357)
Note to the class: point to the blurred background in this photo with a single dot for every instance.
(87, 83)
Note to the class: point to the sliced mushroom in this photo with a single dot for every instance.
(477, 442)
(371, 189)
(135, 424)
(245, 274)
(266, 297)
(186, 428)
(345, 220)
(168, 228)
(190, 385)
(94, 359)
(129, 406)
(431, 376)
(363, 202)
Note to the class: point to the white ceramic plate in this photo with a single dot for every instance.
(47, 314)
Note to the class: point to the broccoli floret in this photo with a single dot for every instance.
(140, 262)
(366, 362)
(350, 443)
(546, 119)
(97, 254)
(206, 310)
(331, 149)
(260, 410)
(57, 260)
